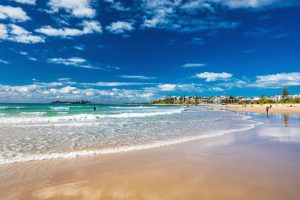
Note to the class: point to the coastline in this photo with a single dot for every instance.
(242, 165)
(261, 108)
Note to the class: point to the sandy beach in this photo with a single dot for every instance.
(275, 108)
(262, 163)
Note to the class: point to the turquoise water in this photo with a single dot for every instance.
(61, 109)
(45, 131)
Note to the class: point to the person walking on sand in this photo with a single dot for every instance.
(267, 109)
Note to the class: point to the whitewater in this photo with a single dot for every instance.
(45, 131)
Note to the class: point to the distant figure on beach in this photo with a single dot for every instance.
(267, 109)
(95, 108)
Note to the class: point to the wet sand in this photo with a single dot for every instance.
(276, 108)
(262, 163)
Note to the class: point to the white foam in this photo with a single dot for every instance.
(133, 107)
(24, 158)
(82, 117)
(60, 108)
(34, 113)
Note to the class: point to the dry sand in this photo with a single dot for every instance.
(276, 108)
(262, 163)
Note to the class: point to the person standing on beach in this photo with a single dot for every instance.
(267, 109)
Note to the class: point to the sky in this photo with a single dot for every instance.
(142, 50)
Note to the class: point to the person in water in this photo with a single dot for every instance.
(95, 108)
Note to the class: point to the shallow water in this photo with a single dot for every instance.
(44, 131)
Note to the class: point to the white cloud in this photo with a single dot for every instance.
(74, 61)
(23, 53)
(88, 27)
(77, 8)
(190, 65)
(167, 15)
(13, 13)
(247, 3)
(138, 77)
(186, 87)
(277, 80)
(199, 15)
(15, 33)
(196, 5)
(80, 47)
(4, 61)
(46, 92)
(30, 2)
(32, 59)
(117, 5)
(167, 87)
(217, 89)
(115, 84)
(120, 27)
(270, 81)
(211, 76)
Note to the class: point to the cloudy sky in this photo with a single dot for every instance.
(140, 50)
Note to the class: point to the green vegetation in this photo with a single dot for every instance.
(290, 101)
(196, 100)
(265, 101)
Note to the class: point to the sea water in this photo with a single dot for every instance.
(45, 131)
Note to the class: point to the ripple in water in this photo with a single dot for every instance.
(114, 129)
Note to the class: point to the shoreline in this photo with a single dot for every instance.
(124, 149)
(242, 165)
(261, 109)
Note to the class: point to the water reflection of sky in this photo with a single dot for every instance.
(279, 127)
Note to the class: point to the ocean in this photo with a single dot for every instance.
(46, 131)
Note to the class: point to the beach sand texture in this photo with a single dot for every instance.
(262, 163)
(275, 108)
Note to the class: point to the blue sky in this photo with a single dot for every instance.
(140, 50)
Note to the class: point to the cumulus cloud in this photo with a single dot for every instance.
(271, 81)
(74, 61)
(167, 87)
(190, 65)
(137, 77)
(277, 80)
(13, 13)
(30, 2)
(120, 27)
(77, 8)
(211, 76)
(88, 27)
(167, 15)
(46, 92)
(15, 33)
